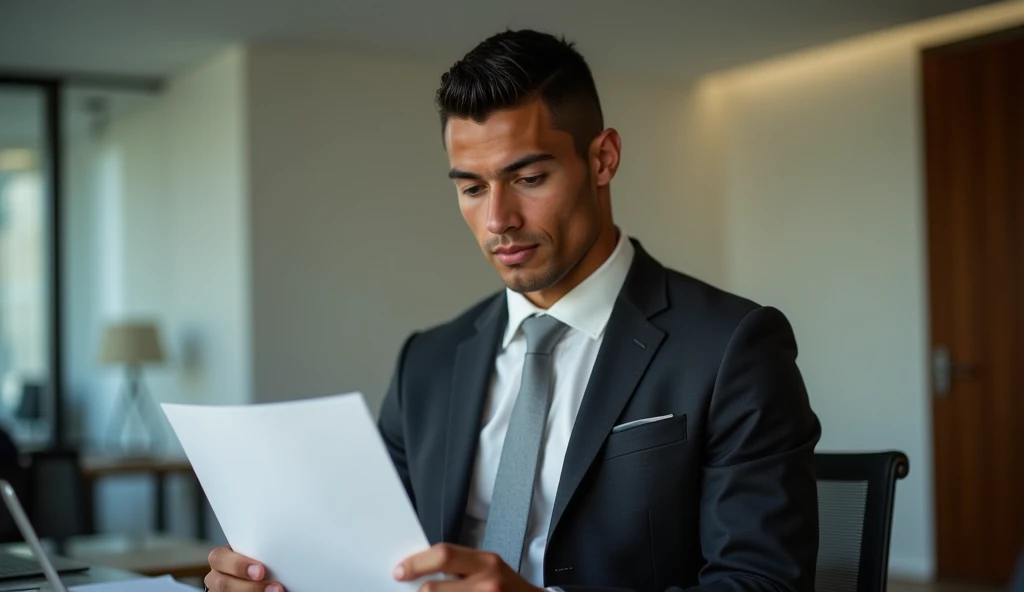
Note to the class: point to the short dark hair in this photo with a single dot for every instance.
(511, 68)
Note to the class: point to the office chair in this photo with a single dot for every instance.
(855, 502)
(58, 502)
(11, 470)
(16, 476)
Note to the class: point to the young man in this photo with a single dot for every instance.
(604, 423)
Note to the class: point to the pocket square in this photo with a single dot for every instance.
(635, 424)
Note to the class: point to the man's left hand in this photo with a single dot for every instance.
(479, 571)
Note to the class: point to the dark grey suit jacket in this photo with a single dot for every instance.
(721, 497)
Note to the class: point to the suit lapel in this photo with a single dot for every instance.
(630, 343)
(471, 378)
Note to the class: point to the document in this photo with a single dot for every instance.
(164, 584)
(306, 488)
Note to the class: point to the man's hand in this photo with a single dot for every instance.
(479, 571)
(232, 572)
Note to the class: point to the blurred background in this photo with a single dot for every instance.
(245, 201)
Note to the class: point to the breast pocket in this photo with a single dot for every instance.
(645, 437)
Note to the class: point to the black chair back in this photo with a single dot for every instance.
(855, 503)
(17, 476)
(58, 500)
(13, 471)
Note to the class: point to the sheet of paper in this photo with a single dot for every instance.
(164, 584)
(305, 487)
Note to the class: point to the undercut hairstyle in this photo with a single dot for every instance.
(515, 67)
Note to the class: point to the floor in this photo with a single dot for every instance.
(895, 586)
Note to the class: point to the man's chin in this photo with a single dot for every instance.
(524, 282)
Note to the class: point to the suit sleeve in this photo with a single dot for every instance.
(759, 501)
(391, 423)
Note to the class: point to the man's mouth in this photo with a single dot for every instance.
(514, 254)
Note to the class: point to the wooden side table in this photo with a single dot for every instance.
(96, 467)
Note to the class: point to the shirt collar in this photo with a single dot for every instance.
(588, 306)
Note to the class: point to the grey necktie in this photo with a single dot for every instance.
(509, 515)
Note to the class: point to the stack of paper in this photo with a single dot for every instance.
(307, 488)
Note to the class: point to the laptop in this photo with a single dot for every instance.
(14, 566)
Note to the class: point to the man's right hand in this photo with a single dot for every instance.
(231, 572)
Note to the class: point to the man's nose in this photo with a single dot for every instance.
(503, 211)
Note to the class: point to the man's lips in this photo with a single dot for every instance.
(515, 254)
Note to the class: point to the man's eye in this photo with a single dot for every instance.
(532, 181)
(473, 190)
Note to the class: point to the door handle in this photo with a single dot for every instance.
(945, 371)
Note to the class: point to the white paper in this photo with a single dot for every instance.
(306, 488)
(164, 584)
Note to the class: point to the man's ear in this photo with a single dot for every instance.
(604, 151)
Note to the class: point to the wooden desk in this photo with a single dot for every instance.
(149, 555)
(96, 467)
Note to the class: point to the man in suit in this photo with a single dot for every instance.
(604, 423)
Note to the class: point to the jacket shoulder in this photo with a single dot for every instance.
(696, 298)
(709, 318)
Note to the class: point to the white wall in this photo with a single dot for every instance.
(665, 192)
(356, 238)
(157, 228)
(824, 216)
(208, 206)
(356, 235)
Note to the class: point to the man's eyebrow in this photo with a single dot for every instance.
(457, 174)
(525, 162)
(510, 168)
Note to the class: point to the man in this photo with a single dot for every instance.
(604, 423)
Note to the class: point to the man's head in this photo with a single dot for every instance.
(531, 160)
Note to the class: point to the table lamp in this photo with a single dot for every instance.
(133, 345)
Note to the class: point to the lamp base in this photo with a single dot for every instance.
(133, 397)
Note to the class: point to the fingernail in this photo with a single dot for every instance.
(273, 588)
(254, 572)
(399, 572)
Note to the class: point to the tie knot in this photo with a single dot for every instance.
(542, 333)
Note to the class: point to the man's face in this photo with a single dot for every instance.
(526, 194)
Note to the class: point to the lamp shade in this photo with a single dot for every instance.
(132, 343)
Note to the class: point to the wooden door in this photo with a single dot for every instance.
(973, 95)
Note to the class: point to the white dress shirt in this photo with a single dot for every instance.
(586, 310)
